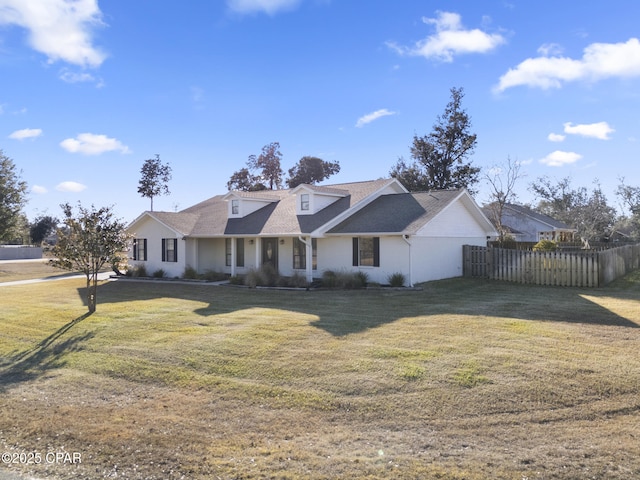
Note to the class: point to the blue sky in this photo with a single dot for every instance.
(90, 89)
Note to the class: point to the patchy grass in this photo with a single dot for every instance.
(462, 380)
(25, 270)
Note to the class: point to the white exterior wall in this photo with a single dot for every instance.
(246, 206)
(394, 258)
(212, 255)
(437, 248)
(454, 221)
(336, 253)
(154, 232)
(438, 258)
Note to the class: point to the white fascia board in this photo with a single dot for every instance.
(156, 219)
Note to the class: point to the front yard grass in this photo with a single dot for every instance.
(463, 380)
(26, 270)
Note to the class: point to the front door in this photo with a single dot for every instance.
(270, 252)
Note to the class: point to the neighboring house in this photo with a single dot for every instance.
(375, 226)
(526, 225)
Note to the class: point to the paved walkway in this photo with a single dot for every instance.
(101, 276)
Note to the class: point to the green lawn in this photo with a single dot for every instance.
(464, 380)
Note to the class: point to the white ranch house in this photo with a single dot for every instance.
(374, 226)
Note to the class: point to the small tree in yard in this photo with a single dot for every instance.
(502, 180)
(13, 196)
(87, 242)
(155, 176)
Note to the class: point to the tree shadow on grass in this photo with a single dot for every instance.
(47, 355)
(342, 313)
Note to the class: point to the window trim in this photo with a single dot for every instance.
(357, 252)
(302, 254)
(140, 246)
(305, 202)
(167, 243)
(235, 206)
(239, 252)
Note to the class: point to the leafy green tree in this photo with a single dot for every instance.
(588, 212)
(311, 170)
(630, 197)
(13, 197)
(41, 227)
(155, 179)
(245, 181)
(440, 158)
(267, 164)
(89, 239)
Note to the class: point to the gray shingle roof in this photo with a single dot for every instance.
(399, 213)
(209, 218)
(552, 222)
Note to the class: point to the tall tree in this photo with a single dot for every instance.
(630, 197)
(245, 181)
(267, 164)
(41, 227)
(13, 197)
(155, 178)
(440, 158)
(311, 170)
(588, 212)
(502, 181)
(89, 240)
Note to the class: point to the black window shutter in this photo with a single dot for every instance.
(376, 251)
(135, 249)
(144, 242)
(164, 251)
(175, 249)
(356, 252)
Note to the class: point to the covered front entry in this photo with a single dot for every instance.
(270, 252)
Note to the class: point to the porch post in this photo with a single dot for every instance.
(258, 259)
(309, 258)
(233, 256)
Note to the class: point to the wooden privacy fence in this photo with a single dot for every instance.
(574, 269)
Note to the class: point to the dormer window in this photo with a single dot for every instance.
(235, 207)
(304, 202)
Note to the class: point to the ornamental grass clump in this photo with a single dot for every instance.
(396, 279)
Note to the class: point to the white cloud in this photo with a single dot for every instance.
(556, 137)
(68, 76)
(599, 61)
(70, 187)
(267, 6)
(370, 117)
(560, 158)
(600, 130)
(450, 39)
(92, 144)
(26, 133)
(40, 190)
(60, 29)
(549, 49)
